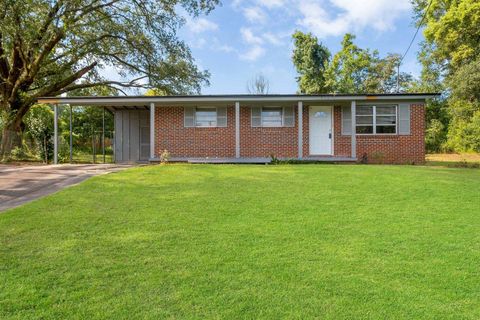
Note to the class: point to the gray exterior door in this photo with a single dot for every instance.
(132, 135)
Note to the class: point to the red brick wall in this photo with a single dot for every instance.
(264, 142)
(386, 148)
(171, 135)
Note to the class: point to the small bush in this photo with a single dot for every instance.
(274, 159)
(378, 157)
(19, 153)
(165, 157)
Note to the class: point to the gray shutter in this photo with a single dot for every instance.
(346, 120)
(189, 116)
(404, 118)
(288, 117)
(221, 116)
(256, 116)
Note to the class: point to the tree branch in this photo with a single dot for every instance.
(56, 87)
(48, 21)
(90, 9)
(44, 52)
(129, 84)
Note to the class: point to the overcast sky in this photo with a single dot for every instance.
(244, 37)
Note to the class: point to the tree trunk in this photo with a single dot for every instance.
(12, 131)
(11, 138)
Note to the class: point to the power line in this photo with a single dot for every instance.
(410, 45)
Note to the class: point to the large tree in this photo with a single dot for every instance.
(49, 47)
(450, 56)
(310, 58)
(355, 70)
(351, 70)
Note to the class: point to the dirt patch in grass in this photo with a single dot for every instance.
(461, 160)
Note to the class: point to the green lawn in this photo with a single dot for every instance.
(249, 242)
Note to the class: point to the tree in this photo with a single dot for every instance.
(39, 125)
(50, 47)
(351, 70)
(451, 28)
(310, 58)
(464, 107)
(355, 70)
(450, 58)
(258, 85)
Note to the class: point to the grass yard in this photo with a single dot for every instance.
(249, 242)
(471, 160)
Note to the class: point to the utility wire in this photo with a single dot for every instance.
(410, 45)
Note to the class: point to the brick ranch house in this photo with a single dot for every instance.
(374, 128)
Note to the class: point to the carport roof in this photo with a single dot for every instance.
(122, 101)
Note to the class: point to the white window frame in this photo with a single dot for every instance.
(282, 116)
(374, 115)
(210, 126)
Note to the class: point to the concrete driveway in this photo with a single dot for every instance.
(21, 184)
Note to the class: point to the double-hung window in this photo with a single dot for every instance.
(205, 117)
(376, 119)
(273, 116)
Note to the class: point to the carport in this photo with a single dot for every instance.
(132, 123)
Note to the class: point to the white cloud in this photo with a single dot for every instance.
(348, 16)
(198, 43)
(271, 3)
(226, 48)
(237, 3)
(201, 25)
(267, 21)
(216, 45)
(253, 53)
(255, 14)
(272, 39)
(256, 50)
(249, 37)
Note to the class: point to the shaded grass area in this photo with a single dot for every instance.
(225, 241)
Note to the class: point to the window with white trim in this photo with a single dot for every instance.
(273, 116)
(376, 119)
(205, 117)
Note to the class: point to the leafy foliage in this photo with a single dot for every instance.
(351, 70)
(51, 47)
(437, 121)
(354, 70)
(450, 59)
(311, 59)
(39, 126)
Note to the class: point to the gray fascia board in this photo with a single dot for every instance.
(159, 101)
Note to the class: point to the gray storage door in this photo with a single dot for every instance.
(144, 118)
(132, 135)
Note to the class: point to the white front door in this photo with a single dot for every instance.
(320, 130)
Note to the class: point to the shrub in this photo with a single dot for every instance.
(18, 153)
(165, 157)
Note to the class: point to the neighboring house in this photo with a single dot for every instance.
(390, 128)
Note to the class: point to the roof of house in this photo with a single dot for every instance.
(232, 98)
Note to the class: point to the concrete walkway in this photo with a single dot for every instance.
(23, 183)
